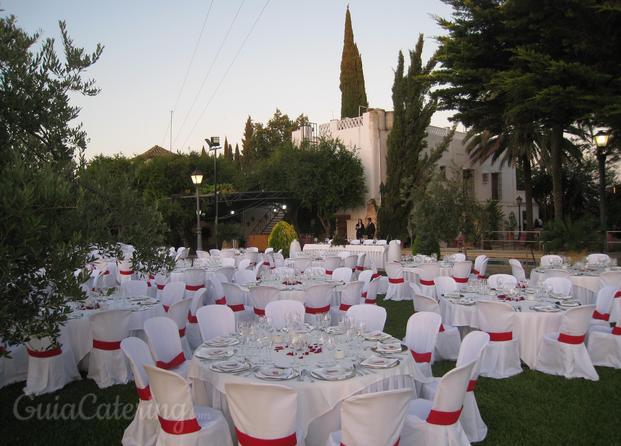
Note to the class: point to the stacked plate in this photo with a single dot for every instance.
(377, 336)
(214, 352)
(336, 373)
(388, 348)
(380, 362)
(545, 308)
(569, 303)
(275, 373)
(222, 341)
(466, 301)
(230, 366)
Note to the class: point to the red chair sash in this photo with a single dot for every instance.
(396, 281)
(616, 330)
(570, 339)
(359, 268)
(396, 444)
(221, 301)
(475, 271)
(144, 394)
(443, 418)
(426, 282)
(182, 332)
(176, 361)
(266, 263)
(375, 276)
(179, 427)
(194, 287)
(259, 311)
(192, 319)
(328, 272)
(125, 272)
(441, 328)
(471, 385)
(160, 286)
(317, 310)
(46, 353)
(106, 272)
(166, 307)
(500, 336)
(247, 440)
(421, 357)
(618, 293)
(460, 279)
(237, 307)
(369, 301)
(601, 316)
(345, 307)
(106, 345)
(364, 294)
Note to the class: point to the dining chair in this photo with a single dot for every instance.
(50, 365)
(373, 316)
(172, 293)
(449, 340)
(342, 274)
(421, 335)
(165, 344)
(397, 289)
(480, 266)
(192, 331)
(178, 313)
(214, 321)
(260, 296)
(278, 310)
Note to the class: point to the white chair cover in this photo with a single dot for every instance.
(611, 278)
(215, 292)
(394, 251)
(317, 299)
(294, 249)
(49, 368)
(501, 358)
(360, 264)
(502, 280)
(243, 265)
(517, 270)
(332, 263)
(373, 316)
(459, 257)
(215, 252)
(597, 259)
(603, 306)
(132, 288)
(194, 279)
(354, 242)
(202, 254)
(182, 424)
(165, 344)
(370, 294)
(15, 368)
(604, 343)
(215, 320)
(142, 431)
(472, 348)
(279, 259)
(254, 424)
(563, 352)
(559, 285)
(448, 341)
(550, 260)
(236, 300)
(445, 284)
(480, 266)
(178, 313)
(342, 274)
(244, 276)
(192, 331)
(172, 293)
(420, 337)
(350, 295)
(426, 278)
(372, 419)
(278, 310)
(461, 272)
(350, 262)
(106, 364)
(227, 271)
(437, 423)
(260, 296)
(396, 283)
(124, 270)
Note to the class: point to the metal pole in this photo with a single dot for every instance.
(601, 163)
(215, 193)
(199, 232)
(520, 217)
(171, 123)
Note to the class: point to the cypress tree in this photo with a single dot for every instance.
(247, 154)
(237, 156)
(353, 94)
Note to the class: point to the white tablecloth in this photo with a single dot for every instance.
(318, 401)
(410, 273)
(529, 326)
(375, 254)
(296, 292)
(585, 286)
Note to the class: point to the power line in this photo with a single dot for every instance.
(227, 70)
(187, 71)
(213, 63)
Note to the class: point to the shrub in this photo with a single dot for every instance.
(568, 235)
(281, 237)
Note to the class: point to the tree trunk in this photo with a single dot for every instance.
(528, 190)
(325, 222)
(556, 162)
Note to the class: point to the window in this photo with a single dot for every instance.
(485, 178)
(468, 182)
(496, 186)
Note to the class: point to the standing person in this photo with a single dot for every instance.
(360, 230)
(370, 229)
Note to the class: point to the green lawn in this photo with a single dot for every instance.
(529, 409)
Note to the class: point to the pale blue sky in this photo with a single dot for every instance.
(290, 61)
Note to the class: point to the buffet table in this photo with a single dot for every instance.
(375, 254)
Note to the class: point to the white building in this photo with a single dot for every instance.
(368, 134)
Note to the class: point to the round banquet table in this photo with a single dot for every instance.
(296, 292)
(586, 284)
(528, 327)
(318, 401)
(77, 329)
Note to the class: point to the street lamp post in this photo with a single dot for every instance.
(197, 179)
(601, 141)
(214, 145)
(518, 200)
